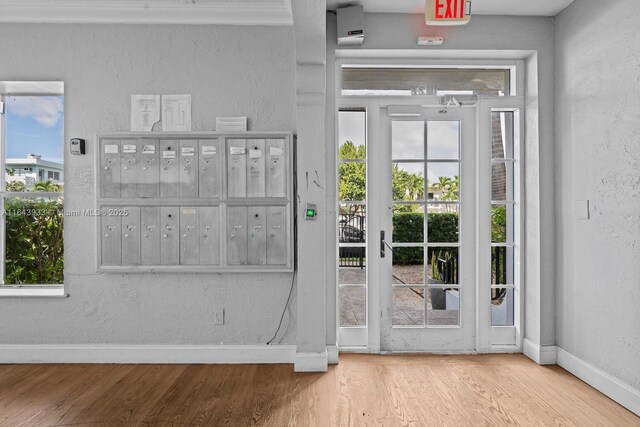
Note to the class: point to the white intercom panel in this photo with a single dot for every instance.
(196, 202)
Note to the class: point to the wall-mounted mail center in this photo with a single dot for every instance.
(196, 201)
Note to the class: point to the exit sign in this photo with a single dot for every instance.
(448, 12)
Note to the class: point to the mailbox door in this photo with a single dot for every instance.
(148, 173)
(129, 168)
(170, 235)
(276, 235)
(150, 235)
(110, 167)
(188, 168)
(276, 168)
(208, 168)
(111, 249)
(131, 236)
(209, 231)
(236, 168)
(255, 168)
(189, 241)
(169, 168)
(257, 235)
(236, 235)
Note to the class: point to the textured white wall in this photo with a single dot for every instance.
(229, 71)
(598, 159)
(511, 36)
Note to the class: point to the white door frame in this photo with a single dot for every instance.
(372, 105)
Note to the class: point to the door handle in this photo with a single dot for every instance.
(384, 245)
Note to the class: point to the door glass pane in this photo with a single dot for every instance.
(352, 222)
(502, 223)
(502, 307)
(353, 306)
(443, 224)
(443, 181)
(408, 266)
(408, 224)
(352, 128)
(442, 265)
(443, 140)
(408, 306)
(502, 136)
(407, 139)
(502, 181)
(408, 181)
(352, 182)
(502, 265)
(443, 307)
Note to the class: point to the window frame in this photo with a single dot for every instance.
(26, 88)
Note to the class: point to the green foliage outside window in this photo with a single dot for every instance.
(34, 251)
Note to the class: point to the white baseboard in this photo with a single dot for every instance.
(332, 354)
(542, 355)
(106, 353)
(311, 362)
(614, 388)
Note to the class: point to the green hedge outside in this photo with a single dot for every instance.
(408, 227)
(34, 244)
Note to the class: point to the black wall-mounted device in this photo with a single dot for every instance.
(76, 145)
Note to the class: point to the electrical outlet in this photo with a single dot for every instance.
(218, 317)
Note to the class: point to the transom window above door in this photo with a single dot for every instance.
(407, 81)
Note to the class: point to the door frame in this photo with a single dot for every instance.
(372, 104)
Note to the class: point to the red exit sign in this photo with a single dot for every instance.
(448, 12)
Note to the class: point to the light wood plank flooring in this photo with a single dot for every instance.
(363, 390)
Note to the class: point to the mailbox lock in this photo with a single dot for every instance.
(146, 236)
(126, 168)
(185, 235)
(204, 236)
(106, 235)
(165, 235)
(233, 236)
(106, 168)
(144, 168)
(126, 235)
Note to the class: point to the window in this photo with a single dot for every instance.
(31, 130)
(503, 279)
(352, 217)
(426, 81)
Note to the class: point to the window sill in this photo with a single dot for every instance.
(32, 291)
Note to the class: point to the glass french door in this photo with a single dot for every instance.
(424, 206)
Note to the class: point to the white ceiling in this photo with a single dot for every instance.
(478, 7)
(232, 12)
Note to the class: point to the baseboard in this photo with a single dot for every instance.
(608, 385)
(163, 354)
(311, 362)
(332, 354)
(542, 355)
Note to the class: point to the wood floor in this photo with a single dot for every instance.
(362, 390)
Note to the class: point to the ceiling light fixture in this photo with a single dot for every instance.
(447, 12)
